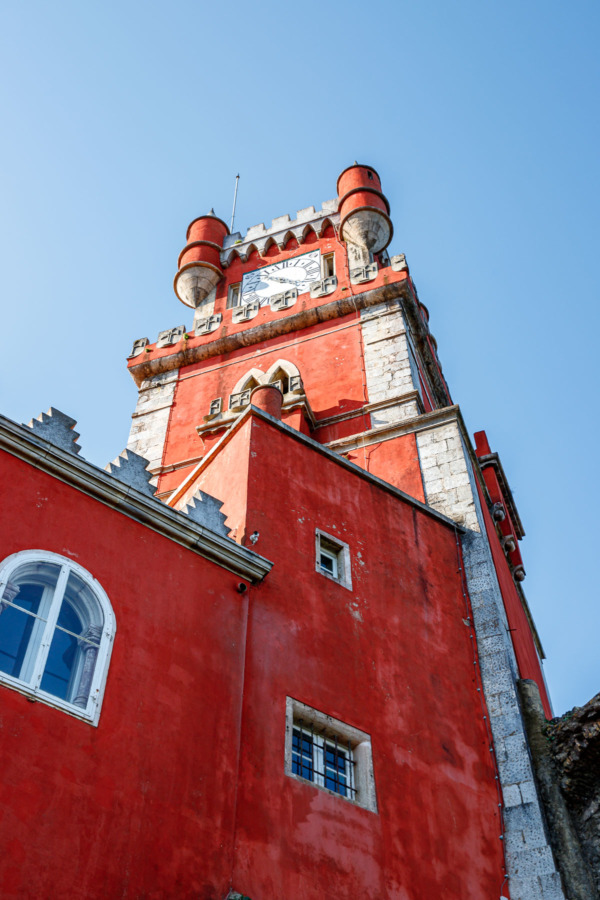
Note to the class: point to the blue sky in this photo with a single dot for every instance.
(123, 121)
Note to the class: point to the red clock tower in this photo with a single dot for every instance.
(313, 323)
(314, 587)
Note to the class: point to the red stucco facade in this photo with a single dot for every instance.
(182, 788)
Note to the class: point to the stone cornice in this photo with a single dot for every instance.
(185, 356)
(336, 309)
(352, 302)
(97, 483)
(422, 422)
(396, 429)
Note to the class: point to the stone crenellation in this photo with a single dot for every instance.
(282, 228)
(57, 428)
(130, 467)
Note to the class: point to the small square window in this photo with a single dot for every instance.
(328, 753)
(328, 267)
(233, 295)
(333, 559)
(328, 559)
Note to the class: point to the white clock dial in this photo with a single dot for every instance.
(299, 273)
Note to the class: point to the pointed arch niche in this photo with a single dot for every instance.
(282, 373)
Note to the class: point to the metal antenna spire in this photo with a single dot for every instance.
(237, 178)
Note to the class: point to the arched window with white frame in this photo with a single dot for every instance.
(56, 631)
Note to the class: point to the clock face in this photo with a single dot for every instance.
(299, 273)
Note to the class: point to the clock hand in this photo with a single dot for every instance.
(280, 280)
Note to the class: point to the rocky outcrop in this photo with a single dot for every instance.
(574, 742)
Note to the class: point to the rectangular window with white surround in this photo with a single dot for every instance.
(333, 558)
(329, 754)
(328, 265)
(234, 295)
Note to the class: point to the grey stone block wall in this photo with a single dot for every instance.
(445, 471)
(531, 867)
(151, 417)
(387, 365)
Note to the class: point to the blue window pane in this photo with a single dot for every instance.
(68, 618)
(63, 655)
(29, 597)
(302, 755)
(15, 633)
(335, 770)
(79, 601)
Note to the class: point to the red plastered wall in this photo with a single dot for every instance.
(327, 355)
(520, 630)
(393, 658)
(395, 461)
(143, 804)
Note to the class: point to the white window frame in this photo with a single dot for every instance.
(233, 294)
(325, 259)
(36, 656)
(327, 729)
(333, 548)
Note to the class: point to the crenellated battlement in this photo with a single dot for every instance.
(282, 228)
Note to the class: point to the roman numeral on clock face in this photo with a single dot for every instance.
(297, 271)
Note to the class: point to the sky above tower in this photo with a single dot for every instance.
(124, 121)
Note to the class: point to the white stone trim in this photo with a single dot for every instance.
(388, 370)
(91, 712)
(360, 741)
(282, 228)
(531, 868)
(445, 471)
(151, 417)
(344, 570)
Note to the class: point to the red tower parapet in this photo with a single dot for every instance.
(364, 210)
(199, 264)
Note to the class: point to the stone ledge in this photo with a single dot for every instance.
(96, 483)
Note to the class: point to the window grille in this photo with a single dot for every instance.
(324, 758)
(329, 754)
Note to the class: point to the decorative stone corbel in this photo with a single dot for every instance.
(509, 545)
(243, 313)
(363, 273)
(170, 336)
(208, 324)
(138, 347)
(324, 287)
(283, 300)
(215, 409)
(498, 512)
(519, 573)
(240, 400)
(398, 263)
